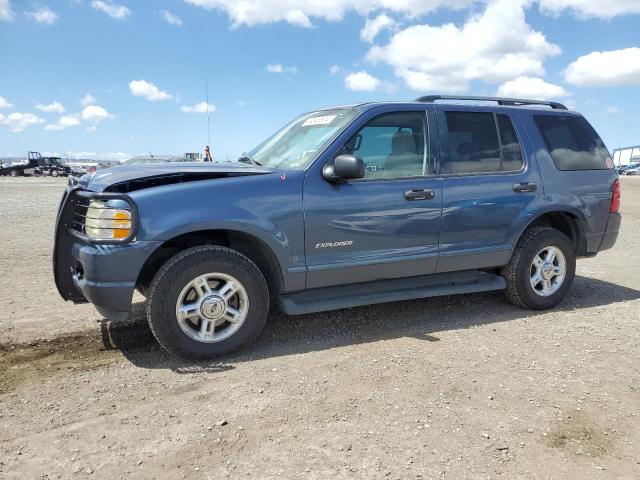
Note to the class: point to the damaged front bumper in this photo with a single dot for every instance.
(86, 270)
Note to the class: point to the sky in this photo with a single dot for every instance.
(110, 79)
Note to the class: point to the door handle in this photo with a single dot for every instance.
(419, 194)
(525, 187)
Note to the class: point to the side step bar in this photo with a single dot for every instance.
(394, 290)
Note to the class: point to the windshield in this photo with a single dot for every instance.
(298, 143)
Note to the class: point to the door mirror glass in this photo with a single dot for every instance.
(344, 167)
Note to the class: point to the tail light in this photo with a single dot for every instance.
(615, 199)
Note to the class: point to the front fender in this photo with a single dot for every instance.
(267, 207)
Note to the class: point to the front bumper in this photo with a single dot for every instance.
(88, 271)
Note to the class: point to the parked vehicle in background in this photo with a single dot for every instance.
(53, 166)
(347, 206)
(627, 167)
(632, 170)
(27, 167)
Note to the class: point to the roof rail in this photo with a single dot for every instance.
(512, 102)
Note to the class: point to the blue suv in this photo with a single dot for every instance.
(346, 206)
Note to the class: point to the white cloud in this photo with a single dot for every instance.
(55, 107)
(531, 87)
(87, 100)
(299, 18)
(447, 57)
(4, 103)
(6, 14)
(171, 18)
(612, 110)
(95, 114)
(18, 122)
(64, 122)
(148, 91)
(374, 26)
(114, 10)
(591, 8)
(361, 81)
(200, 107)
(43, 15)
(335, 69)
(278, 68)
(606, 69)
(91, 115)
(301, 12)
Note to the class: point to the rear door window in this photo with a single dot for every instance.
(481, 142)
(572, 142)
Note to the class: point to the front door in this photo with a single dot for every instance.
(385, 225)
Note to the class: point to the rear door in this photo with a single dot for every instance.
(387, 224)
(491, 189)
(576, 169)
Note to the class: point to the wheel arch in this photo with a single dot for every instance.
(247, 244)
(569, 222)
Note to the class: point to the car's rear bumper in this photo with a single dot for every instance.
(611, 234)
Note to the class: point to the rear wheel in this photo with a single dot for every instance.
(541, 270)
(206, 302)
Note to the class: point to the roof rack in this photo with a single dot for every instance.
(511, 102)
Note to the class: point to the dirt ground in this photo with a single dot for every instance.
(452, 387)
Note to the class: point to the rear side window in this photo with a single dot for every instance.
(509, 144)
(481, 142)
(572, 142)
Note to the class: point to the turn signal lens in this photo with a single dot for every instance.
(107, 221)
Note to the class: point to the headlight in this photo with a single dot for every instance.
(108, 220)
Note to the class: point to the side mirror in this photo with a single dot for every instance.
(343, 168)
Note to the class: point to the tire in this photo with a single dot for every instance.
(14, 173)
(54, 173)
(172, 286)
(520, 272)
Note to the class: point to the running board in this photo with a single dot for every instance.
(383, 291)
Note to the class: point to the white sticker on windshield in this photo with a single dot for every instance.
(324, 120)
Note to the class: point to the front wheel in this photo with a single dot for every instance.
(206, 302)
(541, 270)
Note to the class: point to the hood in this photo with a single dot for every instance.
(125, 178)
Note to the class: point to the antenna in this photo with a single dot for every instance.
(208, 121)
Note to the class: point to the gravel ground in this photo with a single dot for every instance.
(452, 387)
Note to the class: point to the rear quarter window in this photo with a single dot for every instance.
(572, 142)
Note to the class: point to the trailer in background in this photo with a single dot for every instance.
(25, 168)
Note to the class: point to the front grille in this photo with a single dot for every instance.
(80, 206)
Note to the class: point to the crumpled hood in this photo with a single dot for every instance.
(125, 178)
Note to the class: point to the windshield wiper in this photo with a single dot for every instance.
(249, 160)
